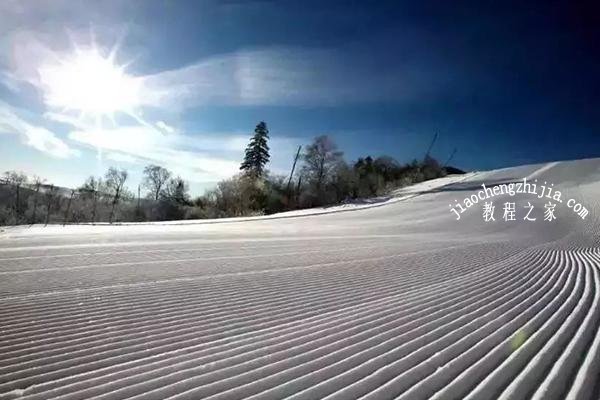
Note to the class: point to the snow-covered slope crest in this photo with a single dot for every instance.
(398, 195)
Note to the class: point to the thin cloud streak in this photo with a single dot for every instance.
(285, 76)
(289, 76)
(198, 158)
(32, 135)
(146, 145)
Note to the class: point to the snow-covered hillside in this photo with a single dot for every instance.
(395, 299)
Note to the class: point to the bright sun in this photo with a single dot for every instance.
(91, 84)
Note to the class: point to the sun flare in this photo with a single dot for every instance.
(90, 83)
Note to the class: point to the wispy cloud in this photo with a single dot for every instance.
(121, 157)
(163, 126)
(139, 143)
(292, 76)
(198, 158)
(289, 76)
(32, 135)
(258, 76)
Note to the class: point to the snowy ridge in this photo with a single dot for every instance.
(398, 301)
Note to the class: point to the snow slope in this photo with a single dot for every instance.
(398, 195)
(394, 301)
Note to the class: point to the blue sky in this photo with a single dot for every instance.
(504, 83)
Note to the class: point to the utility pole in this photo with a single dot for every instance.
(450, 158)
(18, 203)
(293, 168)
(49, 198)
(298, 190)
(431, 145)
(38, 183)
(95, 202)
(138, 210)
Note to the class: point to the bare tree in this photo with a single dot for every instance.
(177, 190)
(91, 190)
(50, 198)
(16, 179)
(155, 179)
(115, 181)
(68, 207)
(320, 158)
(37, 183)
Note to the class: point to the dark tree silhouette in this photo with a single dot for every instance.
(37, 183)
(115, 180)
(90, 191)
(16, 179)
(257, 152)
(155, 179)
(320, 157)
(177, 191)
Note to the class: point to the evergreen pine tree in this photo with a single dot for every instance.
(257, 152)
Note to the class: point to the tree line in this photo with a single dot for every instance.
(319, 176)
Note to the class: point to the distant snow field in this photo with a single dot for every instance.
(388, 298)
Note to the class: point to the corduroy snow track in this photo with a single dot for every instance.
(399, 301)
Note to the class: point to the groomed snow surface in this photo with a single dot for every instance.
(394, 299)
